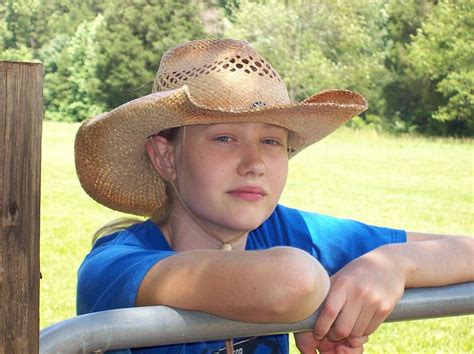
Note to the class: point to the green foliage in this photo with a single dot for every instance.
(17, 24)
(21, 53)
(442, 54)
(401, 99)
(431, 61)
(135, 38)
(71, 82)
(56, 86)
(411, 59)
(32, 23)
(97, 54)
(80, 58)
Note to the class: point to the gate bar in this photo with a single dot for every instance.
(162, 325)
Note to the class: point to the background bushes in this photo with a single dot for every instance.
(413, 60)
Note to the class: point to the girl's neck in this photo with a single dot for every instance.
(184, 234)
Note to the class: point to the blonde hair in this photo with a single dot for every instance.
(159, 217)
(114, 226)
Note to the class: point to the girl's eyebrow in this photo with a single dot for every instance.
(206, 127)
(223, 125)
(218, 128)
(238, 125)
(268, 130)
(277, 128)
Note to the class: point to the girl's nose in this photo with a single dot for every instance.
(251, 162)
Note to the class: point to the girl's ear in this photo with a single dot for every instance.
(161, 153)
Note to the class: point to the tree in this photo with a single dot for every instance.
(29, 25)
(135, 36)
(404, 95)
(14, 28)
(56, 86)
(441, 55)
(74, 80)
(97, 54)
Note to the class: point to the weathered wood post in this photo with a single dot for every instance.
(21, 111)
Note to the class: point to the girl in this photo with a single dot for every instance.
(205, 157)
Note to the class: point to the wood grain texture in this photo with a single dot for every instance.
(21, 111)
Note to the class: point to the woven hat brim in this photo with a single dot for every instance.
(110, 154)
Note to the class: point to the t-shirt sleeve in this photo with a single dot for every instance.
(111, 274)
(336, 242)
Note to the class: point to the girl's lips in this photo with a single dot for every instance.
(250, 194)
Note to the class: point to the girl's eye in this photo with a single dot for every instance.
(271, 142)
(223, 139)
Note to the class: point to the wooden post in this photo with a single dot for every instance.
(21, 111)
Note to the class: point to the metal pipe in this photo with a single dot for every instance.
(161, 325)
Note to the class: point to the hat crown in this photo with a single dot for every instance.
(221, 74)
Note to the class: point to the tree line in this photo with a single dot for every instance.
(412, 59)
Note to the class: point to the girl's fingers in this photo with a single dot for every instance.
(360, 326)
(349, 345)
(329, 312)
(357, 341)
(328, 347)
(380, 315)
(345, 321)
(305, 342)
(371, 316)
(346, 349)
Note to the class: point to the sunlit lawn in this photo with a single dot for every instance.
(412, 183)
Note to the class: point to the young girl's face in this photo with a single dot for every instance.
(231, 175)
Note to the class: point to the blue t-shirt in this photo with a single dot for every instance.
(112, 272)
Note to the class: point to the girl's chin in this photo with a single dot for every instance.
(253, 221)
(237, 222)
(245, 227)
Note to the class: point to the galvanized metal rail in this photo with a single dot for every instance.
(161, 325)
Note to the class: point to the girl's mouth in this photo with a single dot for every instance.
(248, 193)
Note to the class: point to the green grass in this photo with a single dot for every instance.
(404, 182)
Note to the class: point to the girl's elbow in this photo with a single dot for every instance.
(305, 285)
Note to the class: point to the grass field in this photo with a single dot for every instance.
(403, 182)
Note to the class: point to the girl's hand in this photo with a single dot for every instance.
(362, 295)
(306, 343)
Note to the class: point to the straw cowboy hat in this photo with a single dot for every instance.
(198, 82)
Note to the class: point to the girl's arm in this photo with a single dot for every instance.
(276, 285)
(365, 291)
(436, 260)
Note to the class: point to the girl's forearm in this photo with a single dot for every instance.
(433, 262)
(276, 285)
